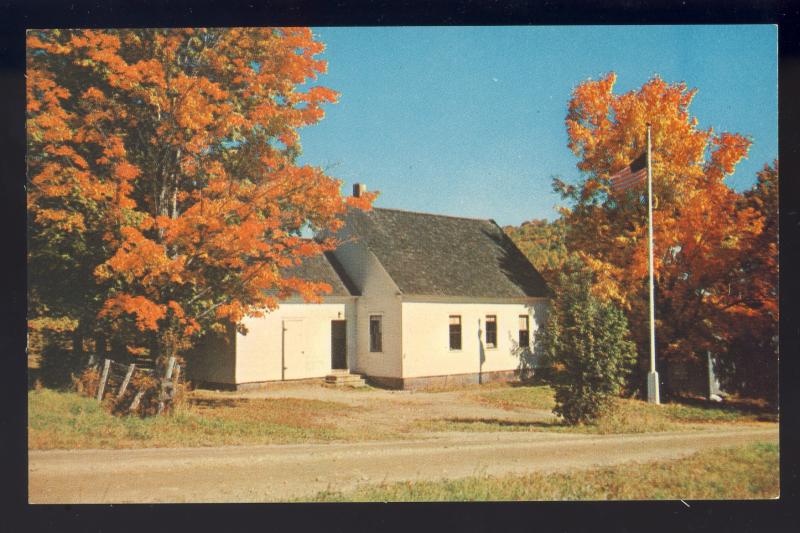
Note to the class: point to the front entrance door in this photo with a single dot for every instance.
(338, 344)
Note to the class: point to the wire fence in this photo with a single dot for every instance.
(117, 378)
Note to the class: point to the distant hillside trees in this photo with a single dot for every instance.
(545, 245)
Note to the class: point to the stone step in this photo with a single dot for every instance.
(344, 378)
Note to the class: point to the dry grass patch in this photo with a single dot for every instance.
(67, 420)
(487, 425)
(744, 472)
(464, 387)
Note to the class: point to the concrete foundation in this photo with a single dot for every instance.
(418, 383)
(258, 385)
(435, 382)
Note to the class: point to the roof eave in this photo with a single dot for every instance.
(440, 298)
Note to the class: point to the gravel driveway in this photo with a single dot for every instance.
(276, 472)
(388, 412)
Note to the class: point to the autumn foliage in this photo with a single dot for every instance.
(164, 193)
(715, 255)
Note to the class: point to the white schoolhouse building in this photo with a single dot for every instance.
(418, 300)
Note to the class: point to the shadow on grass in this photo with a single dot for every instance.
(504, 423)
(763, 411)
(217, 402)
(540, 378)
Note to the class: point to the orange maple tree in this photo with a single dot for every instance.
(701, 228)
(163, 176)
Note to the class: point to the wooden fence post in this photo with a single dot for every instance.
(136, 401)
(126, 381)
(176, 376)
(170, 368)
(102, 386)
(164, 384)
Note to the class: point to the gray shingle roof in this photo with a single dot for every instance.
(325, 268)
(437, 255)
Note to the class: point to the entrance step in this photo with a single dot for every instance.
(343, 378)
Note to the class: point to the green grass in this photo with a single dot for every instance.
(528, 397)
(636, 416)
(68, 420)
(626, 415)
(745, 472)
(690, 413)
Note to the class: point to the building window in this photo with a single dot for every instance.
(375, 333)
(524, 332)
(491, 331)
(455, 332)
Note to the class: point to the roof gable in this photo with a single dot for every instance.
(439, 255)
(324, 268)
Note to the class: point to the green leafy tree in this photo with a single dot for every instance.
(586, 341)
(544, 244)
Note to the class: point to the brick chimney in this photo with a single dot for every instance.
(359, 189)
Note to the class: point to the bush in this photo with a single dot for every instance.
(586, 338)
(59, 364)
(88, 381)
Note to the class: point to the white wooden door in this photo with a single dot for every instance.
(293, 349)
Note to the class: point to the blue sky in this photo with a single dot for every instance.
(470, 120)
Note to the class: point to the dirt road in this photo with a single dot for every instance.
(277, 472)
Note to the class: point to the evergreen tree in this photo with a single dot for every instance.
(586, 340)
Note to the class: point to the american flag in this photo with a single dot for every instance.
(630, 175)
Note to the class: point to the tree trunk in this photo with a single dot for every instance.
(100, 348)
(167, 344)
(118, 349)
(78, 336)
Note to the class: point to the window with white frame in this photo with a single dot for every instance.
(375, 333)
(524, 332)
(455, 332)
(491, 331)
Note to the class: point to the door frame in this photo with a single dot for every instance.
(343, 323)
(296, 321)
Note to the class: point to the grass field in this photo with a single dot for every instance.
(68, 420)
(530, 397)
(746, 472)
(626, 416)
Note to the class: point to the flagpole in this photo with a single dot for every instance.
(652, 376)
